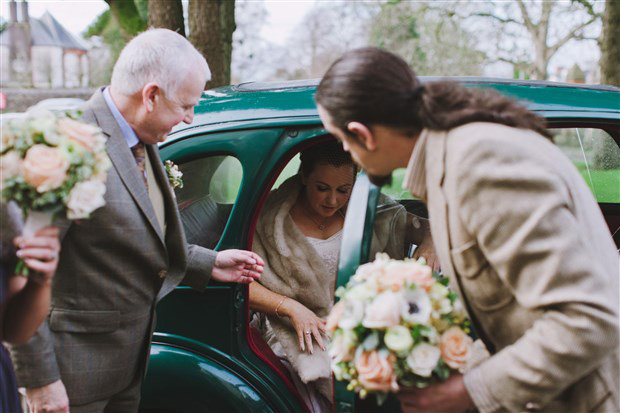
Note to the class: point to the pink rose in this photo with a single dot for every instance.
(399, 273)
(455, 348)
(376, 372)
(383, 311)
(81, 133)
(44, 168)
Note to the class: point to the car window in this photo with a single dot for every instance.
(291, 168)
(597, 157)
(210, 187)
(395, 188)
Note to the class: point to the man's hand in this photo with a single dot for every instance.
(51, 398)
(449, 396)
(427, 250)
(237, 266)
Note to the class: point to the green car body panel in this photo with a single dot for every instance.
(201, 358)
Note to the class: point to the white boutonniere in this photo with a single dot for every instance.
(174, 175)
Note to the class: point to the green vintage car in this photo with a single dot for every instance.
(244, 141)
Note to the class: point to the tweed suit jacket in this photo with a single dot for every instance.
(525, 244)
(113, 269)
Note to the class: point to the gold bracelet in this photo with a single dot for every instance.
(279, 304)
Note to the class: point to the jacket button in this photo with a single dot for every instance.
(531, 406)
(163, 273)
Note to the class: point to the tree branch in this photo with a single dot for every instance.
(589, 7)
(499, 19)
(573, 34)
(526, 17)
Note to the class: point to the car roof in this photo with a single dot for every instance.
(264, 101)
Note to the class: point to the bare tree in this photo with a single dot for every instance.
(211, 26)
(167, 14)
(610, 47)
(432, 38)
(550, 25)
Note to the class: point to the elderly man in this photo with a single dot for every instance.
(91, 353)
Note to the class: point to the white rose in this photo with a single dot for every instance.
(352, 315)
(10, 164)
(383, 311)
(423, 359)
(84, 198)
(398, 339)
(416, 307)
(43, 121)
(341, 347)
(363, 291)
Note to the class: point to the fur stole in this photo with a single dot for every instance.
(294, 269)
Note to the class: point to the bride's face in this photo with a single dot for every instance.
(328, 188)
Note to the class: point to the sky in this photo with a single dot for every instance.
(76, 16)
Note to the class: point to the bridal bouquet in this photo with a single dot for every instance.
(397, 324)
(52, 165)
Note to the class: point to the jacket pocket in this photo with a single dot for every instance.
(483, 288)
(78, 321)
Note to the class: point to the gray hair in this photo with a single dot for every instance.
(156, 55)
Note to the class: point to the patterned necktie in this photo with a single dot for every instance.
(139, 153)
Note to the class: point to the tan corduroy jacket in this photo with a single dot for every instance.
(525, 244)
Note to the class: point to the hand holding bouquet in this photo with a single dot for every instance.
(52, 165)
(397, 324)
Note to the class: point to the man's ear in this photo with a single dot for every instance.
(363, 134)
(149, 93)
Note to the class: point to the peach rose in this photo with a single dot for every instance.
(376, 372)
(44, 168)
(334, 316)
(455, 348)
(398, 273)
(81, 133)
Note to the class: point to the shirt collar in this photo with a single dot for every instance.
(415, 175)
(130, 136)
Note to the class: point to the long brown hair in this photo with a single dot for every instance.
(374, 86)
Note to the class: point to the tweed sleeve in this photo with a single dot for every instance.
(200, 263)
(35, 362)
(521, 211)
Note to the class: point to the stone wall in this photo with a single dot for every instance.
(18, 100)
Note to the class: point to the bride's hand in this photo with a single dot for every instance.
(308, 326)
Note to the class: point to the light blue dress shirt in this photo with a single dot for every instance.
(130, 136)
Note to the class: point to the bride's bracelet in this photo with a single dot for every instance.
(279, 304)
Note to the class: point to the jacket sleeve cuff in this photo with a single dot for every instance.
(35, 362)
(479, 392)
(200, 265)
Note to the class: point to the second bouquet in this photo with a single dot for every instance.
(397, 324)
(52, 165)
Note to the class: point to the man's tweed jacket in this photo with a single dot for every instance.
(113, 270)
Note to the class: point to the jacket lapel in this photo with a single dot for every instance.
(123, 160)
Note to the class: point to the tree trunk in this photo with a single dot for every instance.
(167, 14)
(610, 53)
(211, 25)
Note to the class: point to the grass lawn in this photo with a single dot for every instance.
(605, 184)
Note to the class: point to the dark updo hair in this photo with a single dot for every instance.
(327, 153)
(374, 86)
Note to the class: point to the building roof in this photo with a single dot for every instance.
(47, 31)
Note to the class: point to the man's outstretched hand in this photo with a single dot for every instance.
(237, 266)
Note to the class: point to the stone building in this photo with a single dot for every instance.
(40, 53)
